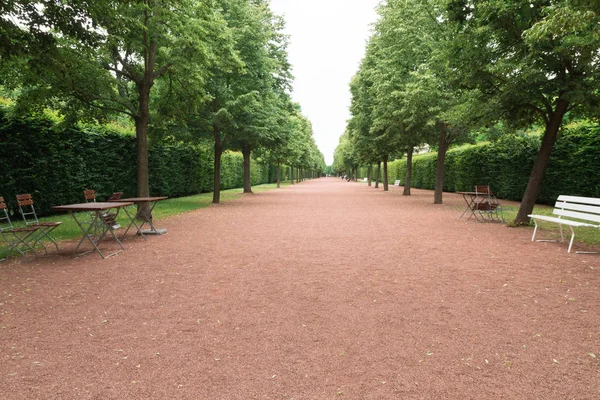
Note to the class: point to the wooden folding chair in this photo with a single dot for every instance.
(486, 204)
(109, 218)
(18, 239)
(115, 196)
(25, 202)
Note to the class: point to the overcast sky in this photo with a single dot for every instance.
(328, 39)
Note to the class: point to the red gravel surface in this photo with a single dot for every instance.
(323, 290)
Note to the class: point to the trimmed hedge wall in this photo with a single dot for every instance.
(56, 164)
(506, 164)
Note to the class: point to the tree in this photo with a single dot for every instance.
(531, 61)
(244, 95)
(105, 56)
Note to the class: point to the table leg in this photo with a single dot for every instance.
(88, 233)
(95, 233)
(132, 219)
(152, 229)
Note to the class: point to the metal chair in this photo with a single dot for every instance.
(18, 239)
(25, 202)
(109, 219)
(486, 204)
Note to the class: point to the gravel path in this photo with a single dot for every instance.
(323, 290)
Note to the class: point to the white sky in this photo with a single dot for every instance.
(328, 39)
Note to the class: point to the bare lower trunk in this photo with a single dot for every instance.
(217, 168)
(440, 166)
(539, 168)
(370, 174)
(292, 175)
(246, 153)
(278, 174)
(407, 178)
(378, 175)
(141, 145)
(385, 174)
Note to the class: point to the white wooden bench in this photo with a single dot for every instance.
(580, 211)
(396, 184)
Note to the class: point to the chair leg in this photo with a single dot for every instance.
(572, 237)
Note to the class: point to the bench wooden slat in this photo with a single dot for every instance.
(562, 221)
(577, 215)
(578, 199)
(578, 207)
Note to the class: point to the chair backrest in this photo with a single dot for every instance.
(115, 196)
(25, 202)
(4, 218)
(483, 189)
(89, 195)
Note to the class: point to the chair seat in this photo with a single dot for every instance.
(47, 224)
(18, 230)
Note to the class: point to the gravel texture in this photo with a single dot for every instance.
(323, 290)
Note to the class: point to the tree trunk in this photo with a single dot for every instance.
(278, 174)
(217, 167)
(409, 156)
(297, 175)
(141, 147)
(246, 153)
(385, 174)
(440, 166)
(378, 175)
(539, 168)
(370, 174)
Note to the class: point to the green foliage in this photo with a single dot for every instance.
(506, 164)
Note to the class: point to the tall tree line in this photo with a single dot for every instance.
(437, 70)
(208, 68)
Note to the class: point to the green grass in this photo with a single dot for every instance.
(69, 230)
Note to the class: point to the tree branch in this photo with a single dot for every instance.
(161, 71)
(119, 71)
(89, 99)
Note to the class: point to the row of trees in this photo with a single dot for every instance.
(193, 69)
(437, 70)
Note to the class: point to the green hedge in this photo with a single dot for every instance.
(506, 165)
(56, 164)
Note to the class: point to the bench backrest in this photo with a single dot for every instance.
(584, 208)
(397, 182)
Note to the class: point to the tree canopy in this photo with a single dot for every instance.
(435, 70)
(206, 67)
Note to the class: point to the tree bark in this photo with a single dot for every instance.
(539, 167)
(141, 147)
(370, 174)
(378, 175)
(217, 167)
(278, 174)
(440, 165)
(407, 178)
(292, 174)
(385, 174)
(246, 153)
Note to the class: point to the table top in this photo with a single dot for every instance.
(473, 193)
(142, 199)
(92, 206)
